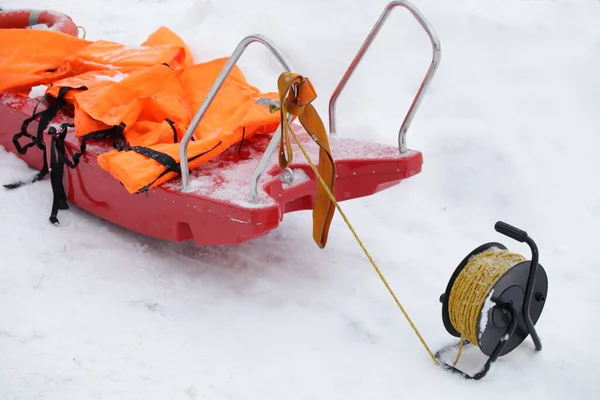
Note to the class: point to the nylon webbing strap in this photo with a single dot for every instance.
(170, 164)
(296, 94)
(45, 116)
(57, 165)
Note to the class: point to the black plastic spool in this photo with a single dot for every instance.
(519, 297)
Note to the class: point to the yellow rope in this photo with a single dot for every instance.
(362, 246)
(472, 288)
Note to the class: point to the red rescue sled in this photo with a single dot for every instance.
(243, 193)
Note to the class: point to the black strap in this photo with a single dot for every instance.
(46, 116)
(115, 132)
(241, 144)
(166, 160)
(172, 125)
(57, 163)
(58, 160)
(23, 131)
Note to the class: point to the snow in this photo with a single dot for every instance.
(40, 26)
(38, 91)
(488, 304)
(509, 131)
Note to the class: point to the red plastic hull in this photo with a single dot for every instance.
(167, 213)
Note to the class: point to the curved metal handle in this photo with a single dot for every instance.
(435, 43)
(235, 56)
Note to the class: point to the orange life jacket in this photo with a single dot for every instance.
(145, 97)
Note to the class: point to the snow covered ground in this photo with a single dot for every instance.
(509, 130)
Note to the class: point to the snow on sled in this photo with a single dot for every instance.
(150, 141)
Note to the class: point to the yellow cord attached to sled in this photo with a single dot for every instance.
(469, 310)
(360, 243)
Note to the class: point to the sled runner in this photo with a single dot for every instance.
(193, 157)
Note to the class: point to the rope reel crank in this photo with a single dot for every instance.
(493, 300)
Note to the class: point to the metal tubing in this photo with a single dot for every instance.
(535, 258)
(264, 162)
(235, 56)
(435, 43)
(262, 165)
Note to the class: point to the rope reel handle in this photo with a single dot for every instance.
(522, 236)
(510, 231)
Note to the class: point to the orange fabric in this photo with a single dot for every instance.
(30, 57)
(232, 113)
(141, 88)
(298, 103)
(164, 36)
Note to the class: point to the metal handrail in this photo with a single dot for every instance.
(235, 56)
(262, 165)
(435, 43)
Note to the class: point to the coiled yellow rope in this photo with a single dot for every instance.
(472, 288)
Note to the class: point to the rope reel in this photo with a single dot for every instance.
(493, 300)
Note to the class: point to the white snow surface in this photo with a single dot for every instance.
(38, 91)
(509, 129)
